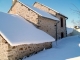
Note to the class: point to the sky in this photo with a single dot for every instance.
(65, 7)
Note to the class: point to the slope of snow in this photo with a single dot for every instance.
(18, 31)
(75, 58)
(66, 49)
(41, 12)
(69, 30)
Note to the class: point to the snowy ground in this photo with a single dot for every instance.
(66, 49)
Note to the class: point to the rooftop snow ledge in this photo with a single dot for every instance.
(17, 31)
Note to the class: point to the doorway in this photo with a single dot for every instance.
(62, 34)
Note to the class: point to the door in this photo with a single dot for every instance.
(62, 34)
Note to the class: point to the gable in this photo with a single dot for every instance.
(48, 9)
(39, 12)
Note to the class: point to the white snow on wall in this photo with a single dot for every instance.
(17, 30)
(41, 12)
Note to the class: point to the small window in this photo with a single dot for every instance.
(61, 22)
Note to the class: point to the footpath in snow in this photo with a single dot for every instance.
(66, 49)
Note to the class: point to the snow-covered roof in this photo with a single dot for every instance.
(17, 30)
(41, 12)
(69, 30)
(51, 9)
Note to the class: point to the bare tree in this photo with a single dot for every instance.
(77, 11)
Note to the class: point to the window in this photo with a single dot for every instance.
(62, 34)
(61, 22)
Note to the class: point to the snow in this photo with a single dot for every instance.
(75, 58)
(52, 9)
(69, 30)
(17, 30)
(41, 12)
(66, 49)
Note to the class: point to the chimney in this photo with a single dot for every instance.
(14, 1)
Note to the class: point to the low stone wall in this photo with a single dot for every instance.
(8, 52)
(3, 49)
(18, 52)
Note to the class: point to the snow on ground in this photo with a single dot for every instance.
(69, 30)
(66, 49)
(75, 58)
(17, 30)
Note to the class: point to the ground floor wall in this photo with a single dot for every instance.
(18, 52)
(8, 52)
(3, 49)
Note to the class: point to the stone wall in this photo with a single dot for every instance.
(3, 49)
(24, 12)
(8, 52)
(61, 29)
(47, 25)
(20, 51)
(45, 8)
(54, 13)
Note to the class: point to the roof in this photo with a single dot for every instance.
(17, 30)
(52, 9)
(41, 12)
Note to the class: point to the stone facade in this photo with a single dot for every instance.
(45, 8)
(8, 52)
(43, 23)
(47, 25)
(24, 12)
(4, 46)
(58, 15)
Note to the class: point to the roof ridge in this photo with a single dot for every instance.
(47, 7)
(36, 11)
(51, 9)
(30, 8)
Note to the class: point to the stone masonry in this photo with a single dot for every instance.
(43, 23)
(58, 15)
(8, 52)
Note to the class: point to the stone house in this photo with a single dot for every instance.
(61, 26)
(39, 18)
(18, 38)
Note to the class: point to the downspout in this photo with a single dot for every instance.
(56, 29)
